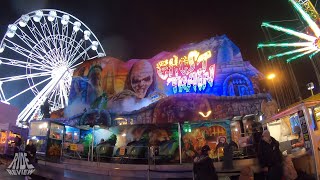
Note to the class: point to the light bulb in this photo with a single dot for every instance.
(86, 34)
(24, 20)
(76, 26)
(94, 45)
(52, 15)
(65, 19)
(38, 16)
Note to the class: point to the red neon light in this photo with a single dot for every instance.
(186, 72)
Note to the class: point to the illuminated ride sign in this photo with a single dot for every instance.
(186, 72)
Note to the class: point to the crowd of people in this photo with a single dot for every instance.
(273, 164)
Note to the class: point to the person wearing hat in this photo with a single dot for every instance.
(203, 167)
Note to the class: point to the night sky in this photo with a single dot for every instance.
(141, 29)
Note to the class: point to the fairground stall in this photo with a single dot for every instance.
(297, 130)
(8, 129)
(8, 134)
(49, 138)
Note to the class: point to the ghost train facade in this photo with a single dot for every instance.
(190, 95)
(199, 81)
(202, 81)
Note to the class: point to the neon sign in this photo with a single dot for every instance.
(186, 72)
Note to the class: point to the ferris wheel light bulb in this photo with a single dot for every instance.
(52, 15)
(10, 34)
(94, 45)
(24, 20)
(65, 19)
(101, 55)
(12, 27)
(86, 34)
(11, 30)
(38, 16)
(76, 26)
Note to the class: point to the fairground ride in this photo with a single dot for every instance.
(39, 52)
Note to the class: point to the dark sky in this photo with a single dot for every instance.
(141, 29)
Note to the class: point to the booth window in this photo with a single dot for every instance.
(56, 131)
(294, 121)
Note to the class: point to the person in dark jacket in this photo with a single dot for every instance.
(270, 157)
(203, 167)
(17, 144)
(31, 151)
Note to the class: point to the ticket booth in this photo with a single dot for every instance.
(49, 138)
(299, 123)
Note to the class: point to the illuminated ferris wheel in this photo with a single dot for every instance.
(41, 49)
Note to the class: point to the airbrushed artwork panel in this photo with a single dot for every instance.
(116, 86)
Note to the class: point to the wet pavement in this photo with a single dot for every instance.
(43, 172)
(58, 173)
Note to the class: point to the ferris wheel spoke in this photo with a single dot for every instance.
(38, 35)
(22, 51)
(300, 55)
(46, 41)
(63, 40)
(40, 97)
(78, 57)
(2, 95)
(56, 34)
(297, 44)
(36, 49)
(22, 64)
(75, 52)
(26, 76)
(31, 87)
(291, 32)
(25, 38)
(290, 52)
(52, 93)
(313, 25)
(70, 44)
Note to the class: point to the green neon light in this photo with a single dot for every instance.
(300, 55)
(302, 44)
(307, 18)
(291, 32)
(289, 52)
(313, 54)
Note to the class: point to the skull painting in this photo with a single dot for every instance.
(141, 78)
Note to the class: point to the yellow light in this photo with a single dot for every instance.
(119, 119)
(271, 76)
(208, 114)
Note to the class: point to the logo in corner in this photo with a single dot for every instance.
(20, 165)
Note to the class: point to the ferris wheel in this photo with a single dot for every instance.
(41, 49)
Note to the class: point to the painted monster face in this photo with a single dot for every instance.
(141, 78)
